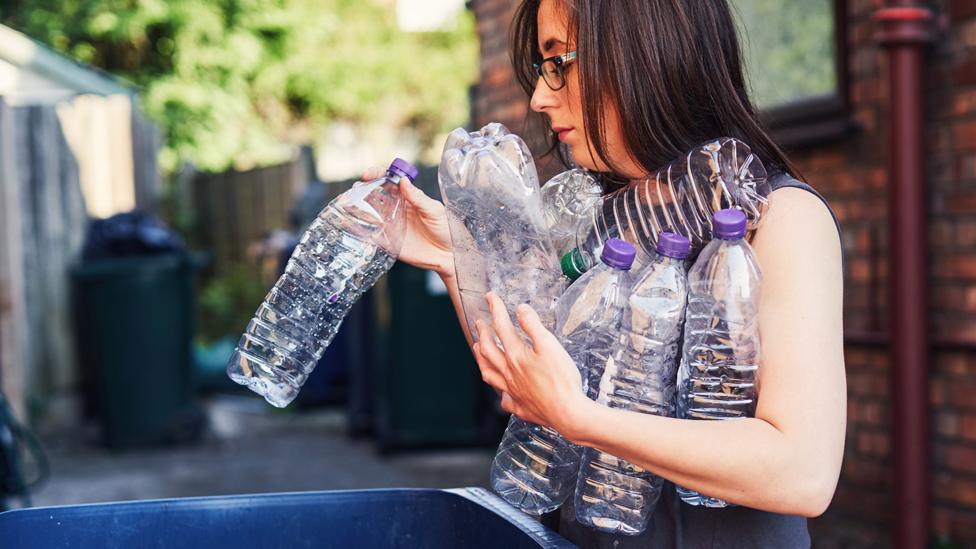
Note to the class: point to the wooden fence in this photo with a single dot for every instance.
(232, 211)
(55, 160)
(43, 225)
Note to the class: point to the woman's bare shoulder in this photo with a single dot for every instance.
(798, 236)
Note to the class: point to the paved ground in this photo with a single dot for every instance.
(248, 449)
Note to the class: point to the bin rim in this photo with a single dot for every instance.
(545, 537)
(113, 266)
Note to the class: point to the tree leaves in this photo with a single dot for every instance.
(228, 80)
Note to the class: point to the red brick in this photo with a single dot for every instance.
(949, 298)
(946, 424)
(870, 383)
(874, 443)
(877, 179)
(962, 9)
(964, 73)
(859, 270)
(959, 266)
(858, 503)
(966, 234)
(958, 525)
(967, 427)
(961, 393)
(936, 393)
(868, 412)
(964, 135)
(961, 458)
(963, 102)
(961, 202)
(962, 328)
(866, 472)
(966, 33)
(953, 489)
(954, 363)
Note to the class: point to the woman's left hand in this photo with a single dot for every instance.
(539, 383)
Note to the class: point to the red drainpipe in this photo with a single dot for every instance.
(905, 29)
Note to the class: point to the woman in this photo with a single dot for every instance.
(628, 85)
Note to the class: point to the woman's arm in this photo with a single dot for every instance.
(786, 459)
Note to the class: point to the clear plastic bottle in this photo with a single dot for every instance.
(355, 239)
(589, 314)
(535, 468)
(680, 198)
(568, 198)
(612, 494)
(498, 227)
(719, 370)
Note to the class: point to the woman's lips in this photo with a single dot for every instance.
(562, 133)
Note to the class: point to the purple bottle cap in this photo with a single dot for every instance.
(618, 254)
(729, 224)
(404, 168)
(673, 245)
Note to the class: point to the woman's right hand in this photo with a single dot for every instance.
(427, 244)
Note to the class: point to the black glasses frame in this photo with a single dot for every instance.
(558, 64)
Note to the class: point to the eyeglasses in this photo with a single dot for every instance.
(552, 69)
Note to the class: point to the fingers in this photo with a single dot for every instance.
(414, 196)
(503, 326)
(507, 403)
(417, 197)
(488, 347)
(531, 324)
(489, 371)
(371, 173)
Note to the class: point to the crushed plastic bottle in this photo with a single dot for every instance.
(680, 198)
(498, 227)
(501, 244)
(569, 198)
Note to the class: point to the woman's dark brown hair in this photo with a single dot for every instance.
(673, 69)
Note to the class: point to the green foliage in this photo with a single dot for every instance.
(789, 48)
(232, 81)
(227, 302)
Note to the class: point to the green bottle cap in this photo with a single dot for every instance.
(573, 265)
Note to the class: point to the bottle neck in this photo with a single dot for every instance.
(395, 176)
(730, 239)
(665, 259)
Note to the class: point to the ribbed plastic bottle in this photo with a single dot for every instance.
(719, 370)
(589, 314)
(535, 468)
(612, 494)
(355, 239)
(680, 198)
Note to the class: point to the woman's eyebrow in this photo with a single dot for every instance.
(551, 44)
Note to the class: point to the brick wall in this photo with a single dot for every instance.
(851, 173)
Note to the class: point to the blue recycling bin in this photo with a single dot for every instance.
(431, 519)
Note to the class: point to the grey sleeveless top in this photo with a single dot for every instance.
(680, 526)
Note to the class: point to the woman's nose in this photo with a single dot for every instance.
(543, 97)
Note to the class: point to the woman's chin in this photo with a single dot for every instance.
(585, 163)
